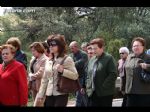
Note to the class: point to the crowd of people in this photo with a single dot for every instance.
(89, 63)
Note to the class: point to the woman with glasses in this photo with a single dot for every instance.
(123, 51)
(52, 71)
(138, 92)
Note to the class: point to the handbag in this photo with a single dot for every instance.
(66, 85)
(145, 75)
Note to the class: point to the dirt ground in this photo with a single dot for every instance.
(71, 103)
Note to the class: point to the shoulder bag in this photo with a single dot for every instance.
(145, 75)
(66, 85)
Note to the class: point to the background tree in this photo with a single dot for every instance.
(117, 25)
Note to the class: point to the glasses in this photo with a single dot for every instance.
(52, 43)
(90, 53)
(122, 53)
(137, 45)
(89, 48)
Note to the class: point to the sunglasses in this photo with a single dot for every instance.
(122, 53)
(53, 43)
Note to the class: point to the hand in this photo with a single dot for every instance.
(60, 68)
(31, 77)
(82, 91)
(143, 65)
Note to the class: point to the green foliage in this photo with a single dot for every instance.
(113, 48)
(117, 25)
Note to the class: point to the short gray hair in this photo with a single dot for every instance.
(84, 44)
(124, 49)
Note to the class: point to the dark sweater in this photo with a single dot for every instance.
(106, 74)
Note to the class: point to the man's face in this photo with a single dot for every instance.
(96, 50)
(73, 48)
(90, 51)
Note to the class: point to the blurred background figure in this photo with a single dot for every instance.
(13, 79)
(20, 55)
(1, 60)
(124, 52)
(90, 52)
(46, 48)
(80, 58)
(36, 68)
(148, 52)
(84, 46)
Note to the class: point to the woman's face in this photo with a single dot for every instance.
(35, 53)
(137, 48)
(7, 55)
(123, 55)
(53, 47)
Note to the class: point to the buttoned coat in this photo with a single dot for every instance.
(50, 78)
(38, 71)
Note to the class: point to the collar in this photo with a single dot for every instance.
(139, 56)
(4, 65)
(17, 52)
(102, 55)
(40, 57)
(77, 52)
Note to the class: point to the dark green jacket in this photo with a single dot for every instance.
(134, 85)
(105, 78)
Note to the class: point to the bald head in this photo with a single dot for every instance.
(74, 47)
(73, 43)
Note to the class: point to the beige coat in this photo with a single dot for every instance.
(49, 81)
(38, 71)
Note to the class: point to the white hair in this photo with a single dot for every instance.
(124, 49)
(84, 44)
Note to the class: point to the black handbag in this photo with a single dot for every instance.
(145, 76)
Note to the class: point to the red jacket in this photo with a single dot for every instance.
(13, 84)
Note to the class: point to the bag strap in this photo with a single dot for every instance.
(63, 60)
(62, 63)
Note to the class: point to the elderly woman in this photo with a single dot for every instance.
(19, 55)
(49, 81)
(13, 79)
(124, 52)
(138, 92)
(36, 67)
